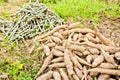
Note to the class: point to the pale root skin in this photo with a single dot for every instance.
(51, 32)
(105, 71)
(82, 61)
(59, 59)
(56, 39)
(77, 48)
(45, 76)
(57, 53)
(108, 57)
(85, 72)
(45, 64)
(75, 37)
(75, 77)
(103, 39)
(94, 51)
(89, 58)
(61, 48)
(98, 60)
(50, 44)
(117, 55)
(64, 75)
(94, 40)
(56, 75)
(107, 66)
(112, 79)
(93, 74)
(57, 34)
(103, 77)
(78, 54)
(76, 62)
(57, 65)
(69, 64)
(78, 72)
(46, 50)
(74, 25)
(86, 53)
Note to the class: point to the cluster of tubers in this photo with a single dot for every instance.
(73, 53)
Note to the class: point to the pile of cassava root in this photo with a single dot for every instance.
(73, 53)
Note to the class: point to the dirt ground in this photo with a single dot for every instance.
(110, 28)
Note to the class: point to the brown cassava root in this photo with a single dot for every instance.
(78, 54)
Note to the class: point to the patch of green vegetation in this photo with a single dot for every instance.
(115, 28)
(6, 15)
(15, 70)
(85, 9)
(2, 1)
(18, 64)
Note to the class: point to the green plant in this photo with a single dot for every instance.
(85, 9)
(6, 15)
(2, 1)
(12, 46)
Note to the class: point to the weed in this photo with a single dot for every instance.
(2, 1)
(85, 9)
(6, 15)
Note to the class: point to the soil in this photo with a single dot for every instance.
(110, 28)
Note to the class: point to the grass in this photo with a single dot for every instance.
(83, 9)
(17, 62)
(2, 1)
